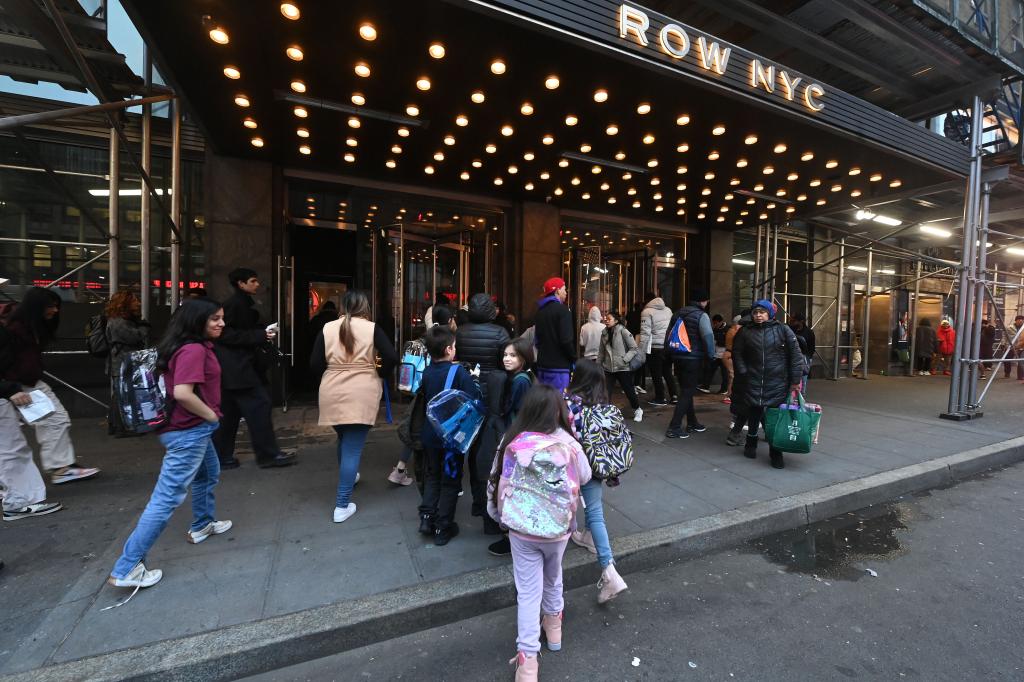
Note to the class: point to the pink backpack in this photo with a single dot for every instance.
(539, 486)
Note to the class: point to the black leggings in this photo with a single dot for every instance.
(924, 364)
(625, 380)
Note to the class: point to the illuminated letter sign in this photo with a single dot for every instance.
(634, 20)
(675, 41)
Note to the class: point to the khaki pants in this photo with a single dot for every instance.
(20, 482)
(53, 433)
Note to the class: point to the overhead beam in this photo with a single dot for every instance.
(56, 114)
(881, 25)
(957, 98)
(757, 17)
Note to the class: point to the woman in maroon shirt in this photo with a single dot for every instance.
(191, 375)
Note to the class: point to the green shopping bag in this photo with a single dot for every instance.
(791, 430)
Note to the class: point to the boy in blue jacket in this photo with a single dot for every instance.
(441, 491)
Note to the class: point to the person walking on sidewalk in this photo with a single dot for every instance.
(126, 332)
(901, 339)
(590, 333)
(538, 443)
(191, 375)
(24, 490)
(654, 319)
(718, 329)
(588, 395)
(730, 334)
(1017, 349)
(988, 341)
(25, 333)
(617, 350)
(244, 351)
(553, 336)
(688, 366)
(442, 467)
(767, 356)
(481, 342)
(946, 345)
(925, 342)
(345, 358)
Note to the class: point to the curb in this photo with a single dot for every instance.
(250, 648)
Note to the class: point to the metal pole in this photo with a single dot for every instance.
(979, 297)
(912, 332)
(775, 261)
(114, 269)
(839, 306)
(80, 267)
(955, 404)
(11, 122)
(757, 265)
(176, 205)
(147, 133)
(867, 317)
(785, 278)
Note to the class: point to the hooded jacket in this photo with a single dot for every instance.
(554, 336)
(525, 446)
(947, 339)
(480, 341)
(767, 361)
(925, 340)
(654, 324)
(590, 334)
(617, 349)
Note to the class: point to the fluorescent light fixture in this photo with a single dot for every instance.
(1015, 251)
(742, 261)
(936, 231)
(123, 192)
(886, 271)
(883, 219)
(858, 268)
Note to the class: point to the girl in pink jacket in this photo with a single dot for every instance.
(533, 491)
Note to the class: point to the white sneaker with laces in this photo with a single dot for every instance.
(343, 513)
(638, 414)
(212, 528)
(37, 509)
(73, 473)
(138, 577)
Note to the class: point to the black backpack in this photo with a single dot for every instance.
(96, 336)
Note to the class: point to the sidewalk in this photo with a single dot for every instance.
(285, 555)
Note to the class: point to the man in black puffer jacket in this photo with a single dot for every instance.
(481, 342)
(768, 363)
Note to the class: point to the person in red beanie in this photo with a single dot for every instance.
(554, 336)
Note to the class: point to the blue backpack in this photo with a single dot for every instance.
(455, 416)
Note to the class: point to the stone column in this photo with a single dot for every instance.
(538, 248)
(720, 278)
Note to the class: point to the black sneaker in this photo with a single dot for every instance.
(675, 432)
(704, 389)
(426, 525)
(442, 536)
(696, 428)
(500, 548)
(658, 403)
(734, 438)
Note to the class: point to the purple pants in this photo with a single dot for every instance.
(538, 572)
(556, 378)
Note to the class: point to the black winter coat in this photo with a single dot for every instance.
(767, 361)
(238, 348)
(480, 341)
(554, 335)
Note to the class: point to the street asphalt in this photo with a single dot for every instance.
(927, 587)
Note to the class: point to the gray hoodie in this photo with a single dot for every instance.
(654, 324)
(590, 334)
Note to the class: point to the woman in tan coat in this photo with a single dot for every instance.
(345, 357)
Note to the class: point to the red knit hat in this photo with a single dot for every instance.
(553, 285)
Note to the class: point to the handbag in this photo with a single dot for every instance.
(792, 428)
(638, 359)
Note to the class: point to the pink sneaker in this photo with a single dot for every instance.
(527, 667)
(552, 626)
(585, 540)
(610, 585)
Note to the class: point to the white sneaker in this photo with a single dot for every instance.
(400, 477)
(138, 577)
(638, 415)
(37, 509)
(641, 390)
(357, 479)
(73, 473)
(610, 585)
(746, 427)
(343, 513)
(212, 528)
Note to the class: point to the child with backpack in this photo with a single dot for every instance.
(602, 432)
(442, 465)
(533, 491)
(516, 359)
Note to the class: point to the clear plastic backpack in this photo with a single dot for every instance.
(141, 394)
(455, 416)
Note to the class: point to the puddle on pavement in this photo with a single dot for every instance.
(840, 548)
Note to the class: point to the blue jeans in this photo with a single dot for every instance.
(190, 461)
(594, 512)
(351, 438)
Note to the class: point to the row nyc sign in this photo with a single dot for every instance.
(675, 42)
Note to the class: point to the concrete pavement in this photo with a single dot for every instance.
(284, 555)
